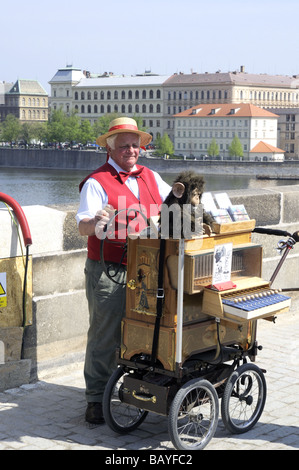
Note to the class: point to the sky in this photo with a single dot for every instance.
(131, 36)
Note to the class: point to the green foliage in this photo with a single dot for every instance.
(235, 148)
(11, 128)
(60, 127)
(164, 145)
(213, 149)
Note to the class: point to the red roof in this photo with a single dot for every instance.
(262, 147)
(226, 110)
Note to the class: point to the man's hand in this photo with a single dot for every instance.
(96, 225)
(102, 218)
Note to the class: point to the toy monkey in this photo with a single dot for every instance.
(186, 195)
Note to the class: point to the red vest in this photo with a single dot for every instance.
(120, 197)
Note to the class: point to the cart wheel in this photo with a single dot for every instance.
(119, 416)
(193, 415)
(244, 398)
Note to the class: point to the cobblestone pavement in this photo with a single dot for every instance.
(49, 415)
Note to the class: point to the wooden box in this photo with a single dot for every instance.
(142, 277)
(233, 227)
(246, 262)
(137, 339)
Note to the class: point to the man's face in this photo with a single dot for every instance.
(126, 151)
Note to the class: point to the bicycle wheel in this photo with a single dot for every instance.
(120, 416)
(193, 415)
(244, 398)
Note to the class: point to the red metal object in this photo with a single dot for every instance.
(20, 216)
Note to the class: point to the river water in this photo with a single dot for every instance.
(48, 187)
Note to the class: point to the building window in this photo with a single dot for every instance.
(82, 95)
(116, 95)
(136, 95)
(123, 95)
(95, 95)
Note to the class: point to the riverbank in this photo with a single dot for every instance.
(89, 160)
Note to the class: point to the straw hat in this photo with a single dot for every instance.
(124, 124)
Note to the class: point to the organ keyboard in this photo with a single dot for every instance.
(254, 303)
(252, 299)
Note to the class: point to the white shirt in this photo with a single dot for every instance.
(93, 197)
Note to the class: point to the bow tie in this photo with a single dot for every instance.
(125, 175)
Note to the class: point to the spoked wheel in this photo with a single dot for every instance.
(120, 416)
(244, 398)
(193, 415)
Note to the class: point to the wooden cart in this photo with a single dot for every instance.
(183, 346)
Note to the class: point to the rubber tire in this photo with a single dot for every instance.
(244, 373)
(189, 391)
(120, 426)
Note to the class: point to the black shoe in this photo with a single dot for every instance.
(94, 413)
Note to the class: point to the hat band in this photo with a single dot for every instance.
(124, 126)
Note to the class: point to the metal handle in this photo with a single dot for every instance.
(153, 398)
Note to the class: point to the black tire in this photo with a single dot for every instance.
(119, 416)
(193, 415)
(244, 398)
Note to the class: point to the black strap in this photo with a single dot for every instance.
(271, 231)
(160, 301)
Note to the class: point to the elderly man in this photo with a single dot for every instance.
(119, 179)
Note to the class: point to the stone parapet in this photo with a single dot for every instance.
(58, 332)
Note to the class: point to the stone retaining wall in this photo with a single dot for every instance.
(60, 316)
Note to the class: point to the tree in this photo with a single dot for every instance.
(164, 145)
(57, 126)
(86, 132)
(235, 148)
(11, 128)
(72, 128)
(213, 149)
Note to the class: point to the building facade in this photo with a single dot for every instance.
(157, 99)
(4, 88)
(93, 96)
(183, 91)
(288, 131)
(26, 100)
(196, 127)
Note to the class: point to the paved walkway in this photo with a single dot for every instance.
(49, 415)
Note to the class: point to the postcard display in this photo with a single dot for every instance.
(222, 271)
